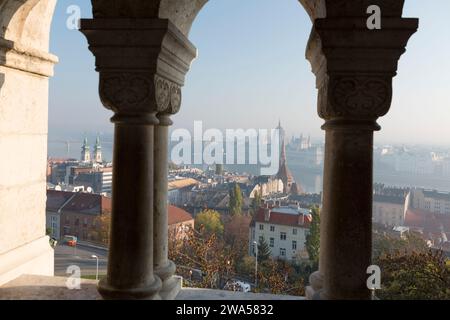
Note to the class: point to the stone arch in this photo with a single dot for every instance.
(27, 22)
(181, 13)
(25, 66)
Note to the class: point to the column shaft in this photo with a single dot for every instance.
(130, 260)
(346, 219)
(164, 268)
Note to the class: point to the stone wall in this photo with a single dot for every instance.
(24, 70)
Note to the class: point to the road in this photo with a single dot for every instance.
(80, 256)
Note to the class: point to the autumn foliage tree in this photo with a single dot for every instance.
(209, 221)
(414, 276)
(279, 277)
(313, 238)
(102, 226)
(236, 201)
(202, 251)
(236, 229)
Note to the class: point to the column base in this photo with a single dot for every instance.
(171, 285)
(171, 288)
(150, 292)
(36, 258)
(314, 291)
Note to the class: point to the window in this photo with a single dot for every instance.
(272, 228)
(294, 231)
(77, 221)
(282, 235)
(261, 227)
(282, 252)
(272, 242)
(294, 245)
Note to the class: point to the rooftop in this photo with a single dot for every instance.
(286, 216)
(86, 203)
(177, 215)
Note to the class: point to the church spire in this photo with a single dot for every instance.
(98, 150)
(85, 151)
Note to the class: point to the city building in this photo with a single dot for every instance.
(431, 200)
(284, 174)
(98, 151)
(284, 229)
(85, 152)
(389, 205)
(179, 189)
(76, 214)
(98, 177)
(265, 186)
(180, 222)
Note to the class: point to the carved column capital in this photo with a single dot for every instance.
(354, 97)
(354, 67)
(168, 99)
(142, 65)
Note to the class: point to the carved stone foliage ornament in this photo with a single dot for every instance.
(139, 93)
(168, 96)
(162, 93)
(175, 98)
(130, 92)
(355, 97)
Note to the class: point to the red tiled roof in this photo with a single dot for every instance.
(429, 221)
(79, 202)
(280, 218)
(178, 215)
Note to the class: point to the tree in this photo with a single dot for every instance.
(204, 252)
(102, 227)
(256, 202)
(236, 200)
(279, 277)
(313, 238)
(263, 250)
(209, 220)
(384, 244)
(236, 229)
(416, 275)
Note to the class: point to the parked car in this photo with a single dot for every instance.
(70, 241)
(236, 285)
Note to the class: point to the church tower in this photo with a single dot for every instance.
(85, 151)
(284, 174)
(98, 151)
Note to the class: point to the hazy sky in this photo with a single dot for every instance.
(251, 71)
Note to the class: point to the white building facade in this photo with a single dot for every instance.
(284, 229)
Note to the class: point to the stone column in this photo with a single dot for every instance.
(169, 100)
(130, 260)
(132, 55)
(354, 68)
